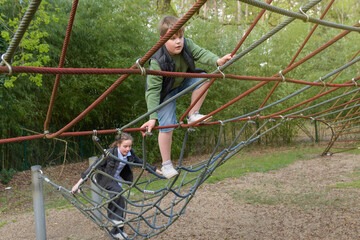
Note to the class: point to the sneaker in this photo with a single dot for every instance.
(119, 236)
(169, 171)
(197, 116)
(117, 223)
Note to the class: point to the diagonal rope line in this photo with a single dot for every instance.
(61, 64)
(300, 15)
(19, 34)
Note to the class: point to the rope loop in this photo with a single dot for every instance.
(307, 16)
(321, 80)
(118, 131)
(222, 123)
(353, 80)
(7, 64)
(143, 71)
(282, 76)
(250, 121)
(282, 117)
(148, 134)
(223, 74)
(95, 133)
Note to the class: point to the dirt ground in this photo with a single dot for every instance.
(300, 201)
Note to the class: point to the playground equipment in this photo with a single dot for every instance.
(154, 203)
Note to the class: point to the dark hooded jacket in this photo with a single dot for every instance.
(109, 165)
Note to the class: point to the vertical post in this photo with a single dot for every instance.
(38, 200)
(94, 196)
(81, 149)
(316, 132)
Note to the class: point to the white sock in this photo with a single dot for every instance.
(168, 162)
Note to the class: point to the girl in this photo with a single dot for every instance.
(119, 170)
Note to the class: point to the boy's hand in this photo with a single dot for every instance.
(149, 124)
(224, 59)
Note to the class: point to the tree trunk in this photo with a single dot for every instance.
(216, 10)
(246, 12)
(205, 10)
(223, 11)
(239, 11)
(164, 7)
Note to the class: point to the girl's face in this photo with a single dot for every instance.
(125, 147)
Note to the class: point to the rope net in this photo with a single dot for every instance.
(152, 202)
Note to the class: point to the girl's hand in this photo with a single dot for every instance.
(158, 172)
(76, 187)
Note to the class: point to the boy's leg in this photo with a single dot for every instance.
(166, 116)
(195, 94)
(165, 141)
(194, 114)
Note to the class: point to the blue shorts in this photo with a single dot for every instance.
(166, 114)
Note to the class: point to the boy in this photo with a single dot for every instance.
(177, 55)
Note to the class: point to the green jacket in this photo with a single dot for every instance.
(155, 83)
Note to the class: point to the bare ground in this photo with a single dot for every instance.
(300, 201)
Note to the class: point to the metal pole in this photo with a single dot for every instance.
(316, 132)
(38, 199)
(94, 196)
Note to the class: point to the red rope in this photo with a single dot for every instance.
(298, 52)
(110, 131)
(250, 29)
(308, 100)
(44, 70)
(61, 64)
(333, 108)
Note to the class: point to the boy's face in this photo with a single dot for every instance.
(175, 44)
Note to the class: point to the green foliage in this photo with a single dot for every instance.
(33, 50)
(6, 175)
(109, 34)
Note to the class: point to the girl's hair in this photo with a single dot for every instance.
(120, 138)
(166, 23)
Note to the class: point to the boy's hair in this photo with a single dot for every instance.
(166, 23)
(120, 138)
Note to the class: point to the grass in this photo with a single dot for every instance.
(355, 184)
(3, 223)
(244, 163)
(305, 200)
(351, 184)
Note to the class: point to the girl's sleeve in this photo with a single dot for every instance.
(140, 161)
(103, 162)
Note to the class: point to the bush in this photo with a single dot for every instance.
(6, 175)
